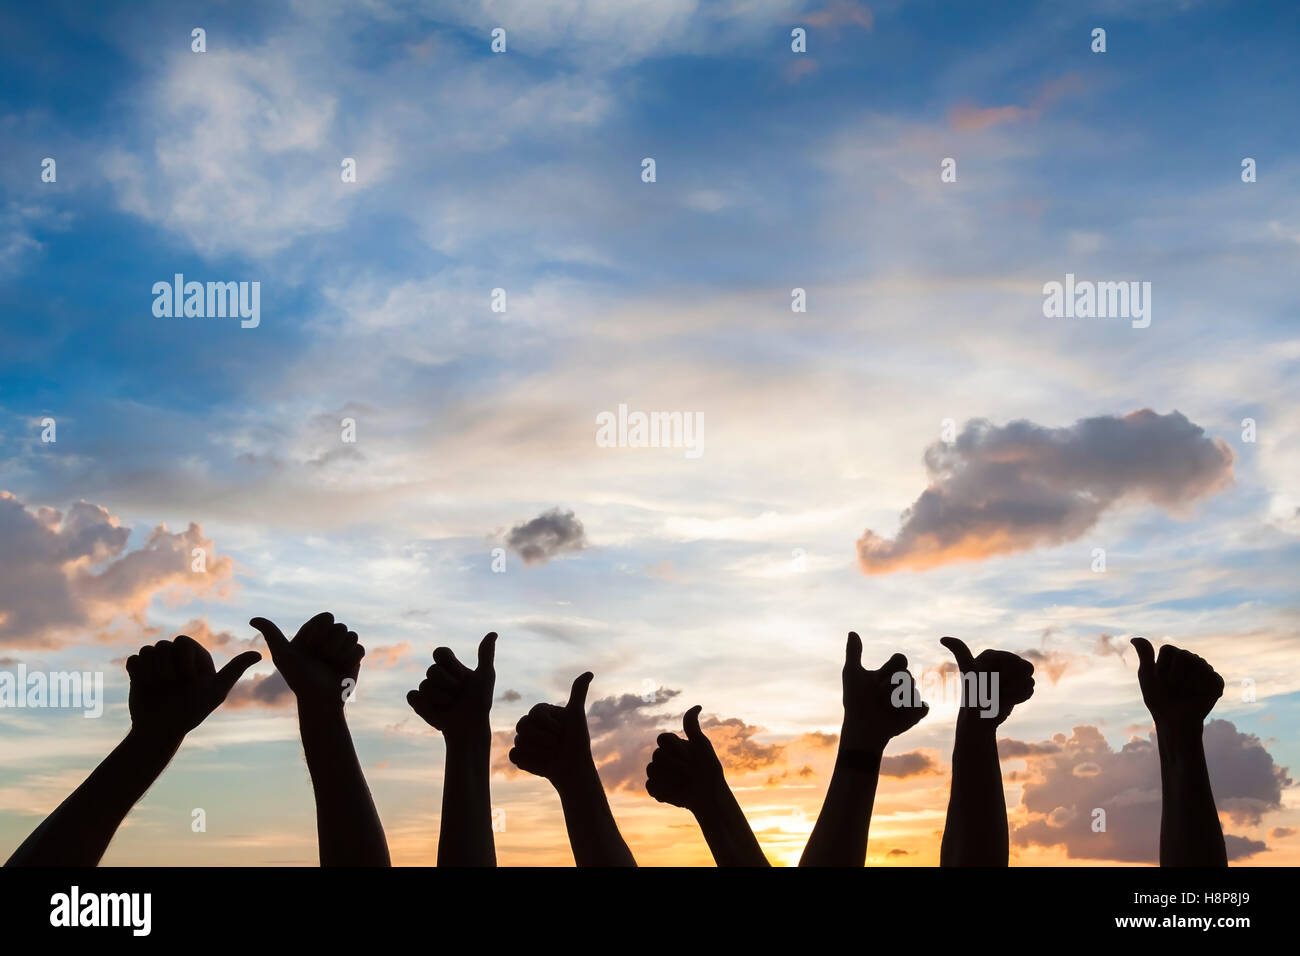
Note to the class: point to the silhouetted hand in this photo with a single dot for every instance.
(553, 741)
(1179, 688)
(322, 656)
(320, 665)
(454, 699)
(877, 705)
(1010, 681)
(686, 773)
(175, 685)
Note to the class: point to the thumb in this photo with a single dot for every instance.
(853, 650)
(1146, 655)
(234, 669)
(578, 693)
(275, 639)
(487, 651)
(895, 664)
(691, 724)
(965, 660)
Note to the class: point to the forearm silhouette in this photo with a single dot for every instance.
(457, 701)
(1180, 689)
(320, 665)
(174, 686)
(554, 742)
(688, 774)
(975, 833)
(877, 707)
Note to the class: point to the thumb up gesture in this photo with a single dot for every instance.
(553, 741)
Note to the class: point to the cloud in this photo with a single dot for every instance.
(64, 576)
(1001, 489)
(1069, 778)
(968, 118)
(733, 741)
(201, 631)
(840, 13)
(1109, 644)
(1053, 663)
(388, 655)
(263, 690)
(219, 123)
(914, 763)
(549, 534)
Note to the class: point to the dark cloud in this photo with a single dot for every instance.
(509, 696)
(1010, 749)
(1069, 778)
(1109, 644)
(915, 763)
(547, 535)
(997, 490)
(263, 690)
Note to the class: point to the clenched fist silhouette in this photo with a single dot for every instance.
(686, 773)
(175, 685)
(1178, 687)
(879, 704)
(454, 699)
(553, 741)
(997, 681)
(320, 664)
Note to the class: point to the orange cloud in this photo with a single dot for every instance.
(66, 576)
(840, 13)
(389, 655)
(968, 118)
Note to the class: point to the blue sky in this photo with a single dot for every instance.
(522, 171)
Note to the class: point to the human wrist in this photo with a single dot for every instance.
(471, 739)
(972, 723)
(154, 739)
(1179, 734)
(859, 736)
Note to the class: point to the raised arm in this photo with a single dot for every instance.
(554, 742)
(320, 665)
(878, 705)
(1180, 689)
(688, 774)
(174, 686)
(975, 833)
(457, 701)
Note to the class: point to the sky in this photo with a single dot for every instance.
(920, 451)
